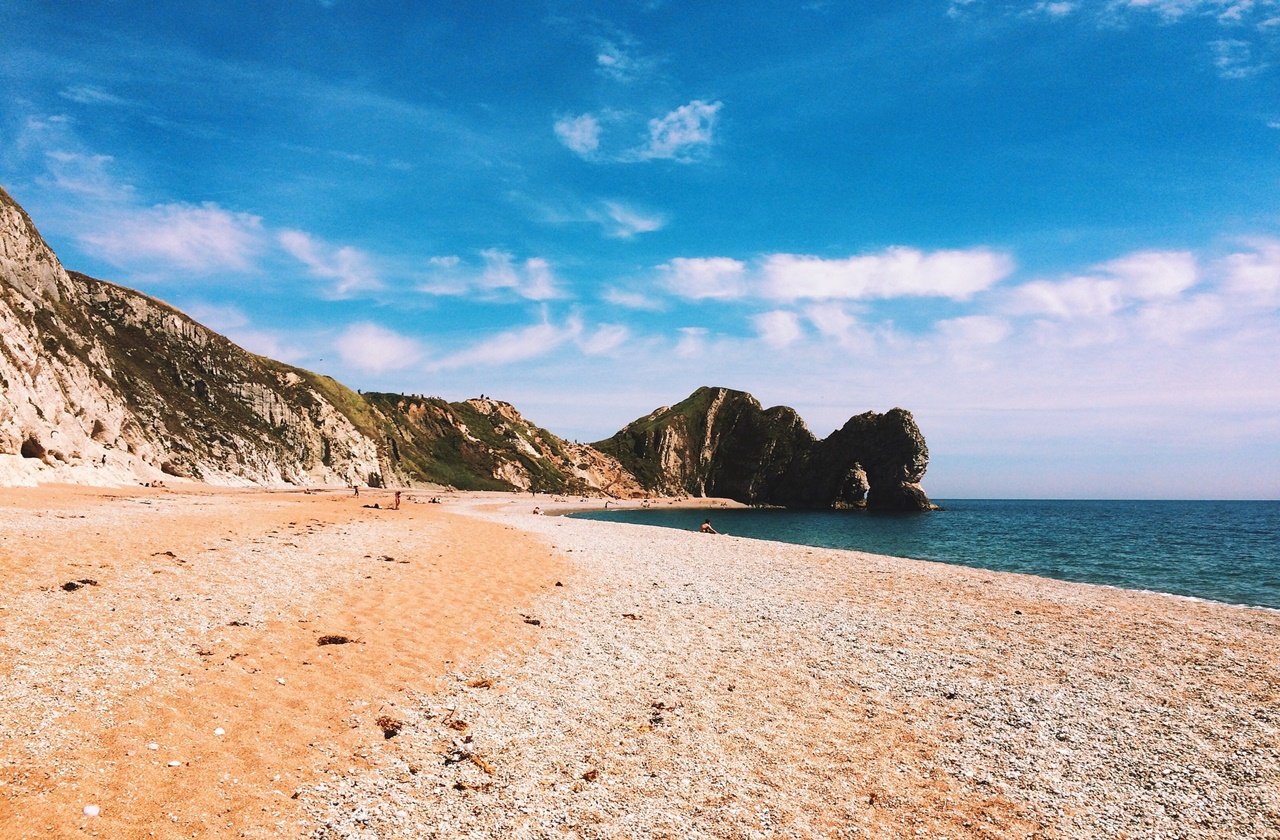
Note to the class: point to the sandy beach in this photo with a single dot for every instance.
(511, 675)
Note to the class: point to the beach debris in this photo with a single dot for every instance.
(591, 775)
(457, 724)
(631, 616)
(390, 726)
(480, 682)
(237, 624)
(219, 732)
(334, 639)
(558, 583)
(280, 680)
(535, 622)
(387, 558)
(175, 763)
(164, 554)
(73, 585)
(656, 717)
(481, 763)
(92, 810)
(483, 787)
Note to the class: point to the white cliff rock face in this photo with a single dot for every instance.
(58, 420)
(69, 412)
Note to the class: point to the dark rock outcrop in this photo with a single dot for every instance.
(721, 442)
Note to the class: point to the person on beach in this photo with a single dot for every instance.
(395, 504)
(706, 527)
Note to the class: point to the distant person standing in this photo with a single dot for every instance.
(355, 490)
(706, 527)
(395, 505)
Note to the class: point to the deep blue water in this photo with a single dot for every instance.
(1224, 551)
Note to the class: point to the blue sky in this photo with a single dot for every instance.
(1050, 229)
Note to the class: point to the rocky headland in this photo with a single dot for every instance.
(106, 385)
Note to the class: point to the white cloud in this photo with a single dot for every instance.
(621, 221)
(1254, 277)
(86, 176)
(895, 272)
(197, 238)
(835, 322)
(692, 342)
(580, 134)
(1053, 10)
(621, 63)
(778, 328)
(683, 134)
(91, 95)
(369, 348)
(634, 300)
(1234, 59)
(1149, 275)
(499, 276)
(511, 346)
(605, 338)
(717, 278)
(347, 265)
(533, 280)
(974, 330)
(1109, 287)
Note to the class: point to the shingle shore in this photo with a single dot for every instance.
(688, 685)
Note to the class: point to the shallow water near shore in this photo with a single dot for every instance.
(1222, 551)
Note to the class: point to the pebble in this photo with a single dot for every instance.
(153, 746)
(92, 810)
(219, 731)
(175, 763)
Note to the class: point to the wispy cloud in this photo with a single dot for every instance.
(1235, 59)
(370, 348)
(198, 238)
(499, 277)
(86, 176)
(622, 221)
(683, 135)
(92, 95)
(511, 346)
(580, 134)
(629, 299)
(778, 328)
(349, 267)
(621, 61)
(1110, 287)
(701, 278)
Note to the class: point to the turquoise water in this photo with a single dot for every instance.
(1224, 551)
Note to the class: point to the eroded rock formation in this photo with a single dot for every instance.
(721, 442)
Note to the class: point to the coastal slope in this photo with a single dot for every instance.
(105, 385)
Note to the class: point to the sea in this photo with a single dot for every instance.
(1225, 551)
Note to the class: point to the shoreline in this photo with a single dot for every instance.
(597, 678)
(1081, 580)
